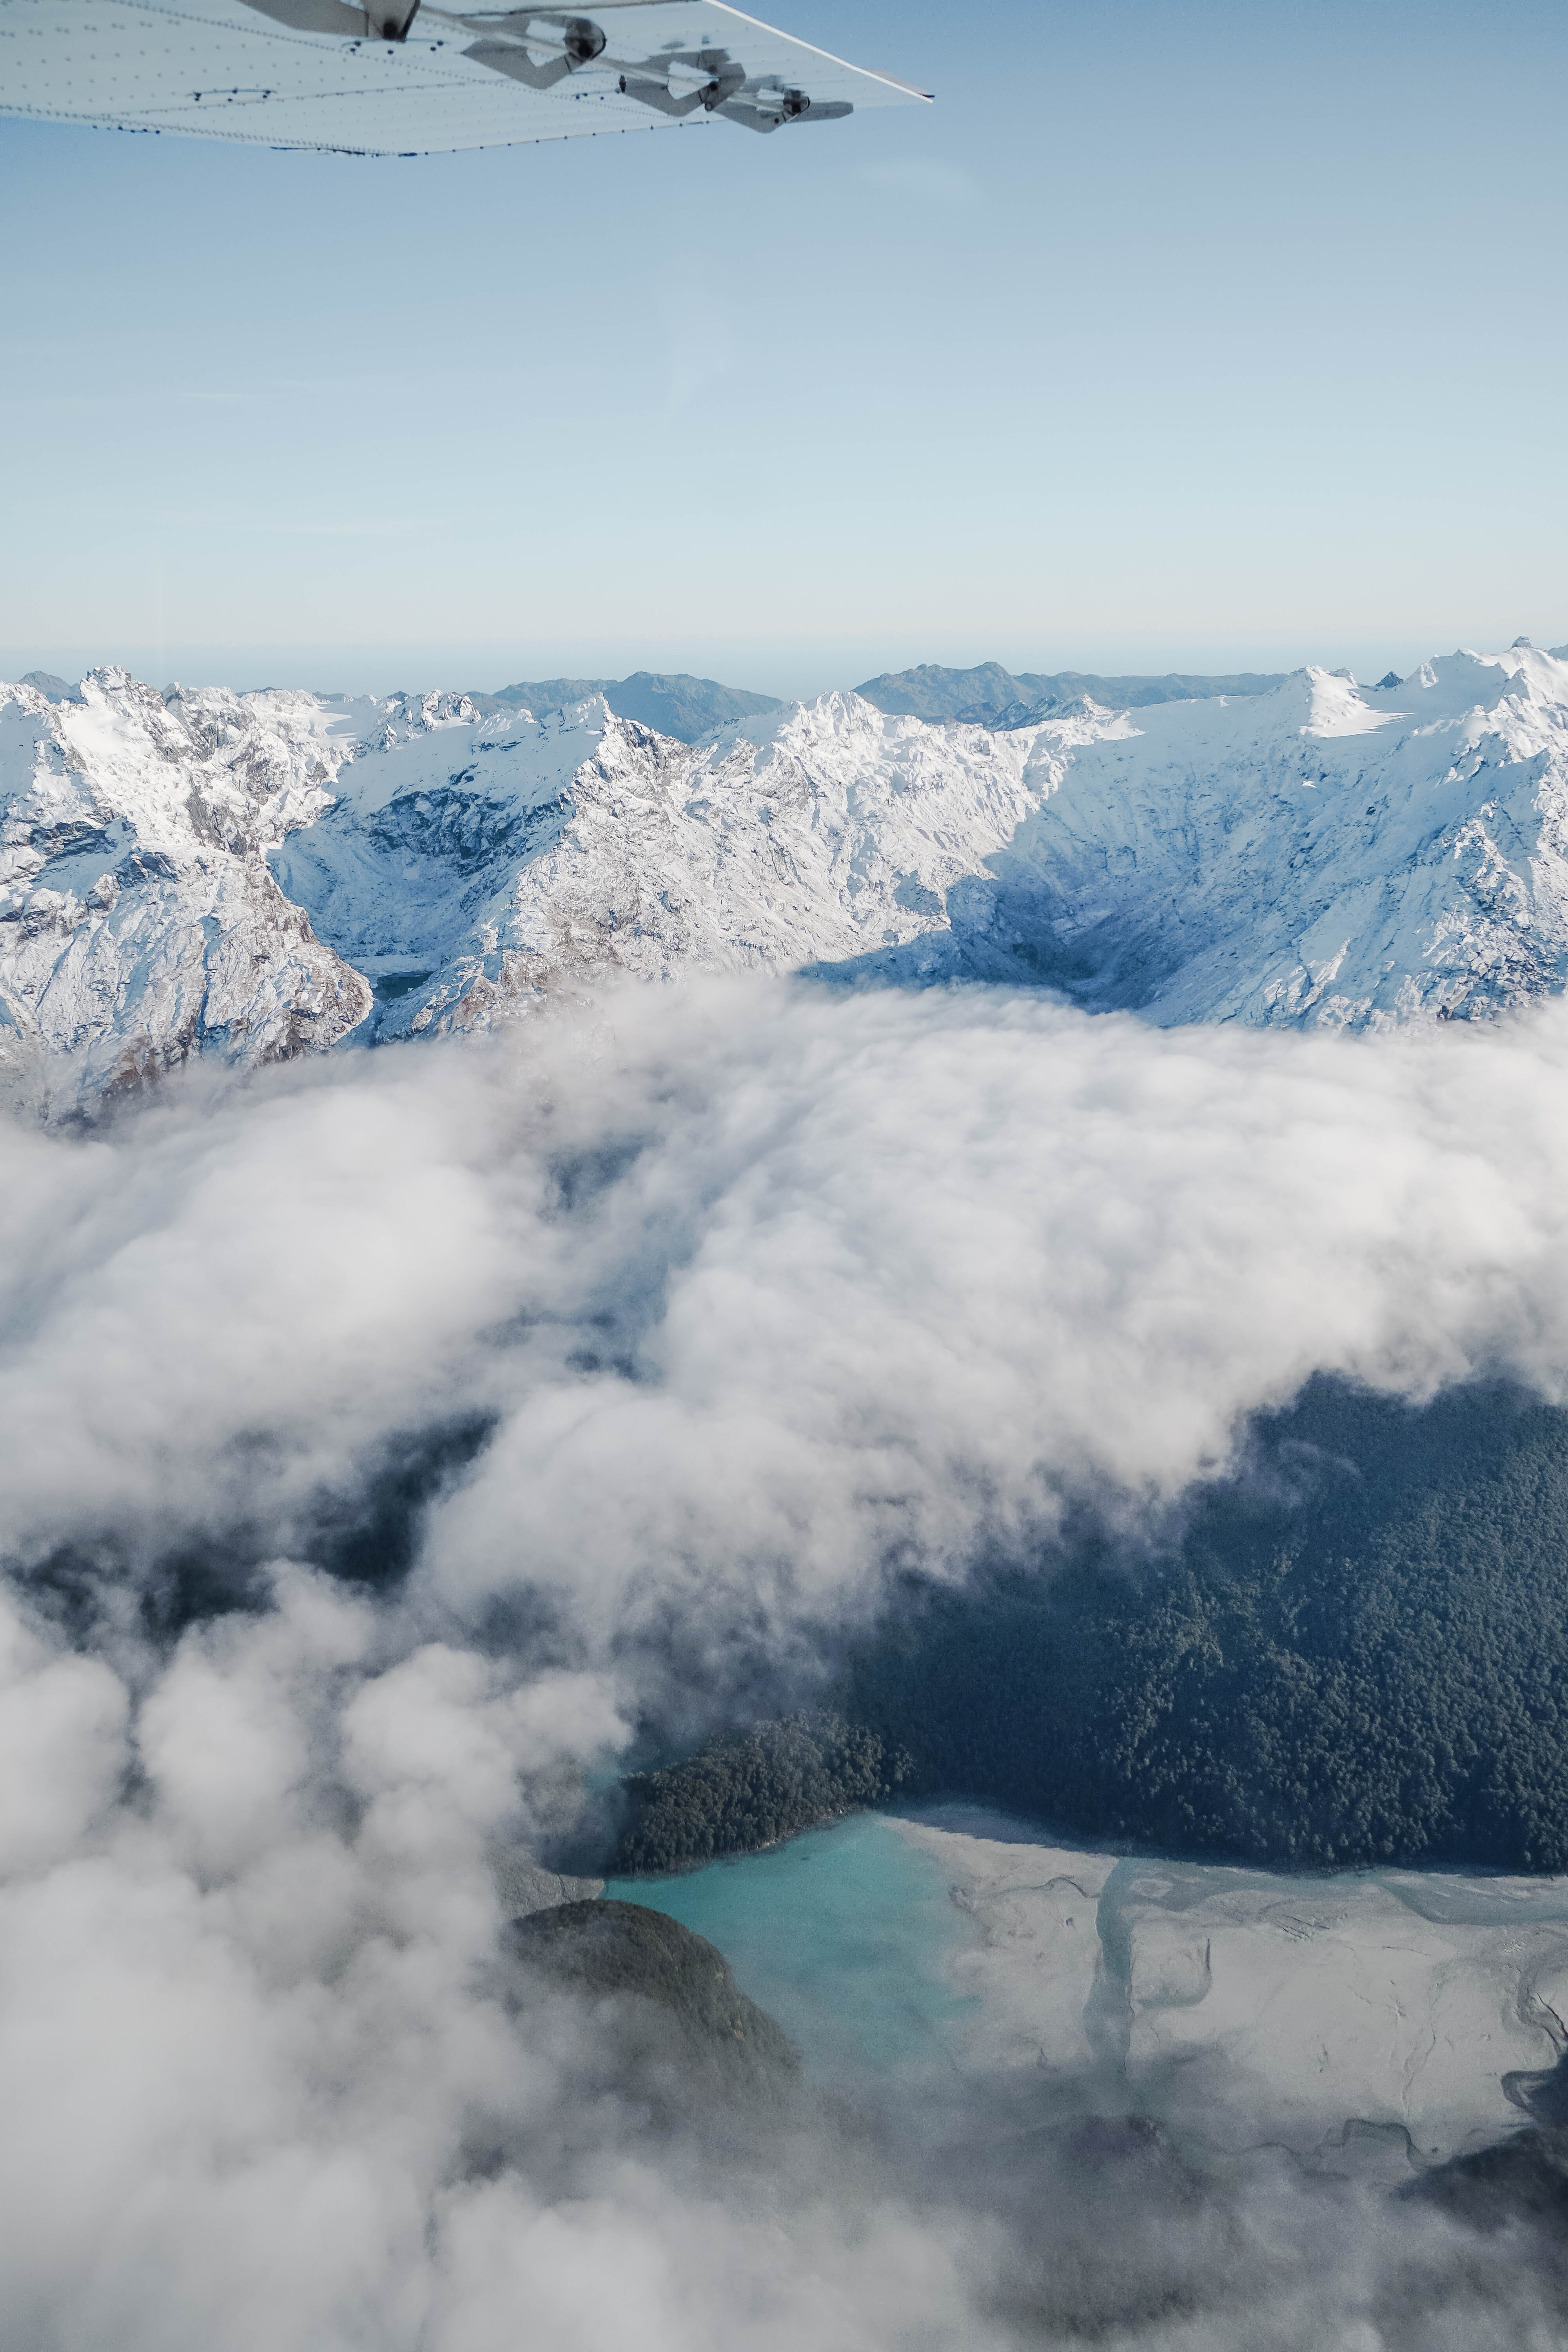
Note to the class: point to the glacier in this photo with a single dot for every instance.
(256, 876)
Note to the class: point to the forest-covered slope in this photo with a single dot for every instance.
(1354, 1653)
(749, 1788)
(1357, 1653)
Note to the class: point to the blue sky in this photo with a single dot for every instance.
(1206, 336)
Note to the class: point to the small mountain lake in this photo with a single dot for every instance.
(843, 1934)
(1433, 2003)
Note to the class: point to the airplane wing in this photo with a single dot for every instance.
(399, 77)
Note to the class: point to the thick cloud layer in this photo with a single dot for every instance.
(765, 1289)
(266, 2088)
(261, 2088)
(764, 1294)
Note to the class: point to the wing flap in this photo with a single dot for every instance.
(325, 75)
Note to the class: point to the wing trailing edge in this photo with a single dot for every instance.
(407, 77)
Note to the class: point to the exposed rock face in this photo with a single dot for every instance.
(491, 863)
(139, 922)
(257, 876)
(1316, 856)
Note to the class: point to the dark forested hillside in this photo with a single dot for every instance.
(748, 1789)
(621, 1948)
(1355, 1653)
(670, 2030)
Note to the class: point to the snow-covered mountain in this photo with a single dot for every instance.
(1321, 854)
(138, 919)
(580, 841)
(257, 875)
(988, 695)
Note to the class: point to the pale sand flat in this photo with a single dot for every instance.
(1254, 2005)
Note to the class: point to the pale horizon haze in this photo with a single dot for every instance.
(1211, 339)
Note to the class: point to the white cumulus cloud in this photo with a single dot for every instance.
(762, 1293)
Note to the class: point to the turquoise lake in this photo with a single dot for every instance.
(842, 1934)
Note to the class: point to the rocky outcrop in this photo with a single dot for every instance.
(139, 921)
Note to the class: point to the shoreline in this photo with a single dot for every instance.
(1367, 2021)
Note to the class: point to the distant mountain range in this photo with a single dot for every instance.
(688, 707)
(256, 875)
(683, 706)
(989, 695)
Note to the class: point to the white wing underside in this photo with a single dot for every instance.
(219, 68)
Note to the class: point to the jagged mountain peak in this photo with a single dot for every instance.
(254, 875)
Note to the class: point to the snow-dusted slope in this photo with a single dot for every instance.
(1319, 853)
(257, 875)
(139, 919)
(490, 863)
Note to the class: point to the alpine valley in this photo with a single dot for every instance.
(256, 876)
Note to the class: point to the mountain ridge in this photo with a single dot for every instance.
(671, 703)
(253, 876)
(674, 703)
(989, 695)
